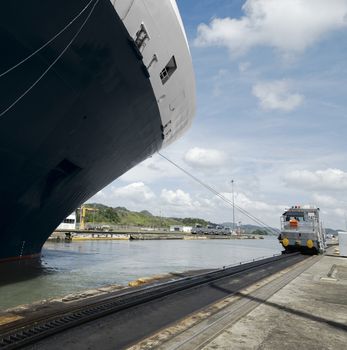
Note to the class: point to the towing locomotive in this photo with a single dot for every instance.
(302, 230)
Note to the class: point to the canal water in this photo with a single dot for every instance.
(71, 267)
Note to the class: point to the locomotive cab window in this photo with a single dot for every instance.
(168, 70)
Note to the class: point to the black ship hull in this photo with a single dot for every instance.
(67, 128)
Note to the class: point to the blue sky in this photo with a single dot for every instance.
(271, 81)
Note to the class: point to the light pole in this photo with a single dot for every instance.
(232, 190)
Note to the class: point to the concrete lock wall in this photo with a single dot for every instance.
(343, 243)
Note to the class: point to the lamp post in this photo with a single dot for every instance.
(232, 190)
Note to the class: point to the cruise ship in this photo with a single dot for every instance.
(89, 88)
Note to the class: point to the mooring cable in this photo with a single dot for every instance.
(222, 197)
(47, 43)
(51, 65)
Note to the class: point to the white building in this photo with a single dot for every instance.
(68, 223)
(178, 228)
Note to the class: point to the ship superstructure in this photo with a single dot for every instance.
(88, 90)
(302, 230)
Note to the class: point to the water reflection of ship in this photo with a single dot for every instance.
(22, 270)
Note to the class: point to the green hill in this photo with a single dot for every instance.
(253, 229)
(125, 217)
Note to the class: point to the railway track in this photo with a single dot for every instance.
(36, 330)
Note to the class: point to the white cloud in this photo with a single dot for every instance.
(151, 170)
(245, 202)
(137, 192)
(322, 200)
(218, 80)
(178, 197)
(339, 212)
(204, 158)
(100, 195)
(244, 66)
(287, 25)
(276, 95)
(264, 212)
(329, 179)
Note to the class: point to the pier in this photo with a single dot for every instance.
(131, 234)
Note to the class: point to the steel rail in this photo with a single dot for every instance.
(49, 325)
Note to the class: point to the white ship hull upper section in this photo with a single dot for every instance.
(160, 24)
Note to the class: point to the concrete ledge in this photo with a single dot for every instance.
(308, 313)
(301, 307)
